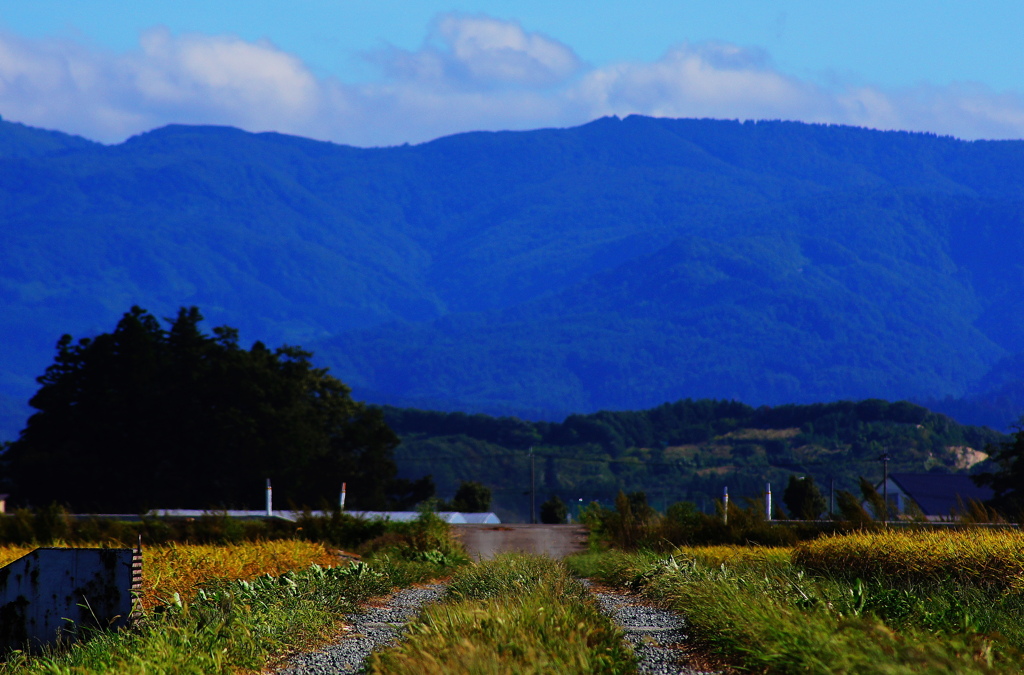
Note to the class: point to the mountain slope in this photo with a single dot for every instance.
(618, 264)
(784, 314)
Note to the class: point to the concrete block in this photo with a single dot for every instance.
(51, 594)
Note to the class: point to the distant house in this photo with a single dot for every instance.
(938, 496)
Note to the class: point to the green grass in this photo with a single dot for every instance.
(767, 614)
(515, 614)
(230, 626)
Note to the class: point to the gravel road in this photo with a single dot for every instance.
(657, 635)
(378, 626)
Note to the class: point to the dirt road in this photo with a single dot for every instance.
(485, 541)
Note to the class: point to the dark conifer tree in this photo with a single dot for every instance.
(803, 499)
(145, 417)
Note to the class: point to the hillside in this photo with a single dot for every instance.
(615, 265)
(683, 451)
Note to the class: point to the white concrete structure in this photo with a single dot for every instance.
(51, 593)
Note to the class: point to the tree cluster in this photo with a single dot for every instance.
(147, 417)
(1007, 478)
(471, 497)
(803, 498)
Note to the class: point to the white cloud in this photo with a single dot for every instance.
(492, 50)
(191, 79)
(235, 73)
(710, 80)
(479, 52)
(472, 72)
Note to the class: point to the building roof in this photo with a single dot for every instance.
(450, 517)
(940, 494)
(481, 518)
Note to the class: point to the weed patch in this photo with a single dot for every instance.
(515, 614)
(973, 557)
(772, 615)
(221, 609)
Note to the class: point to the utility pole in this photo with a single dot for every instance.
(270, 499)
(832, 499)
(533, 488)
(885, 485)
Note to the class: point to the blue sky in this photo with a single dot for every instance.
(387, 72)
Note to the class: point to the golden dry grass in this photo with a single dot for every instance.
(989, 557)
(714, 556)
(181, 568)
(9, 554)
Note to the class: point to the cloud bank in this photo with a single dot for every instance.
(472, 72)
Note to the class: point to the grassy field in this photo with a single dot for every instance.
(184, 568)
(824, 607)
(238, 608)
(883, 602)
(993, 558)
(515, 614)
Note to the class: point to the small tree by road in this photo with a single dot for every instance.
(803, 499)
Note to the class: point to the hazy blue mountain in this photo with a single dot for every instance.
(619, 264)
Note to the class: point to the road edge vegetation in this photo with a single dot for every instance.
(231, 625)
(766, 612)
(516, 614)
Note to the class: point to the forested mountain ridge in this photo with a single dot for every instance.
(682, 451)
(615, 265)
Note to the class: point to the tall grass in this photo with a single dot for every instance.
(769, 614)
(633, 525)
(237, 608)
(972, 556)
(632, 569)
(515, 614)
(235, 625)
(9, 554)
(182, 570)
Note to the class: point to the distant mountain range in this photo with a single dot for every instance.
(616, 265)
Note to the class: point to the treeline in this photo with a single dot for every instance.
(688, 450)
(154, 417)
(690, 421)
(53, 525)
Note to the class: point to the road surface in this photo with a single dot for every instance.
(483, 542)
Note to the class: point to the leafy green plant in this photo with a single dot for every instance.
(428, 538)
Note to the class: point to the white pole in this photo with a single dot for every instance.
(341, 502)
(270, 499)
(768, 501)
(725, 505)
(533, 488)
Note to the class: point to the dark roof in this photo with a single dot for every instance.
(940, 494)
